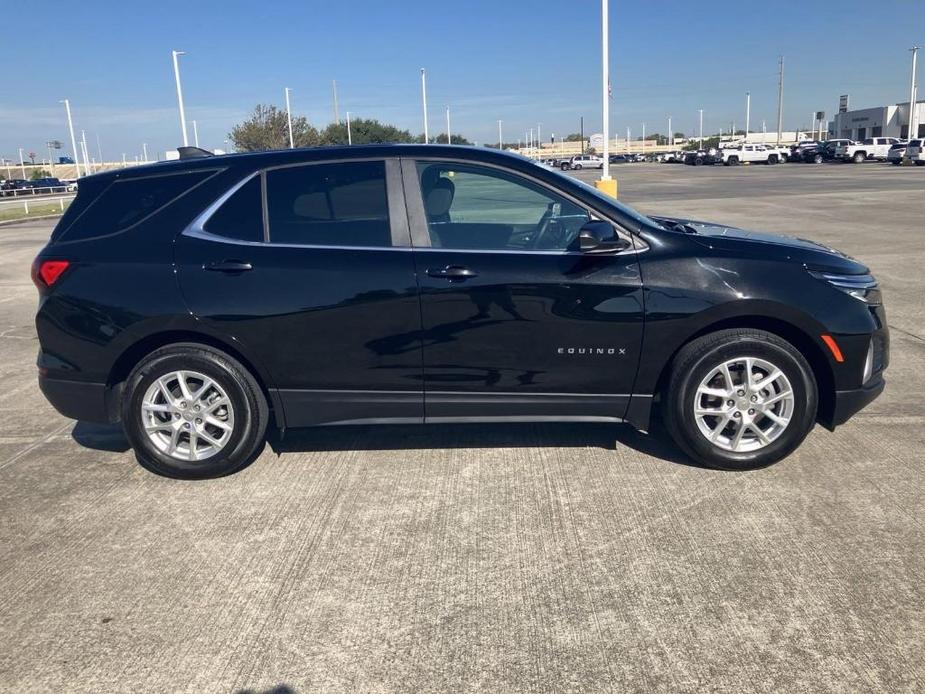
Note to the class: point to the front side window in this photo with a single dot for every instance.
(344, 204)
(482, 208)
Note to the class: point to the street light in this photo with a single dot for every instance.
(349, 135)
(701, 127)
(70, 127)
(22, 163)
(670, 139)
(424, 102)
(449, 140)
(499, 135)
(912, 133)
(144, 149)
(748, 112)
(195, 133)
(605, 183)
(176, 74)
(288, 119)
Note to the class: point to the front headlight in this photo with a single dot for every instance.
(861, 287)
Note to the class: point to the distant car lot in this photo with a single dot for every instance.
(532, 557)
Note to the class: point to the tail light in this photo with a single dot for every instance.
(46, 272)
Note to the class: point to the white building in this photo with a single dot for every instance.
(882, 121)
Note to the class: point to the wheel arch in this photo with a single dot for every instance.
(799, 338)
(138, 350)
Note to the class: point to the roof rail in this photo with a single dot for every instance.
(193, 152)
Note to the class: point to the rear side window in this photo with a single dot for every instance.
(125, 203)
(329, 205)
(241, 216)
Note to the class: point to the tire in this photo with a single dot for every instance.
(564, 167)
(577, 167)
(859, 157)
(817, 159)
(896, 162)
(243, 417)
(698, 161)
(704, 356)
(772, 160)
(733, 161)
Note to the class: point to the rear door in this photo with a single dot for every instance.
(309, 270)
(516, 322)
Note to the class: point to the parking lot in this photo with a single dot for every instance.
(534, 558)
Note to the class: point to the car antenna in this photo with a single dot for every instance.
(193, 152)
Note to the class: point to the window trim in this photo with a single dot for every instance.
(398, 218)
(417, 215)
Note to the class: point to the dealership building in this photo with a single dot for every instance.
(882, 121)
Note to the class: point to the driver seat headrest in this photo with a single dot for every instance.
(439, 198)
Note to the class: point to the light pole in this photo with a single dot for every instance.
(424, 102)
(70, 127)
(606, 183)
(912, 133)
(336, 112)
(83, 147)
(780, 100)
(288, 118)
(176, 74)
(701, 127)
(539, 137)
(22, 163)
(643, 138)
(123, 160)
(748, 112)
(449, 140)
(195, 133)
(144, 150)
(349, 135)
(670, 139)
(500, 140)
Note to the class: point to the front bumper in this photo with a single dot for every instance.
(850, 402)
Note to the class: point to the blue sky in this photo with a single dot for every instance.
(525, 62)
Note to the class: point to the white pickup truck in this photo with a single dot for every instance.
(871, 148)
(740, 154)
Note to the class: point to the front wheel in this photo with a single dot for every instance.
(817, 159)
(577, 167)
(859, 158)
(740, 399)
(192, 412)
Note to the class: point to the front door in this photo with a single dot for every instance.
(517, 323)
(317, 285)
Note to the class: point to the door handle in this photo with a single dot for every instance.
(228, 266)
(453, 272)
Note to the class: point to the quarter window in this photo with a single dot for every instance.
(342, 204)
(481, 208)
(241, 215)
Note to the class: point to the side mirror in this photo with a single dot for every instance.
(599, 237)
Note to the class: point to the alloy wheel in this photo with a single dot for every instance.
(744, 404)
(187, 415)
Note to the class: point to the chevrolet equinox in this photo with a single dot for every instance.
(200, 301)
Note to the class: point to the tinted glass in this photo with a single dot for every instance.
(128, 202)
(241, 215)
(472, 207)
(329, 205)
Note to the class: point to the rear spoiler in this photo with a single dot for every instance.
(193, 153)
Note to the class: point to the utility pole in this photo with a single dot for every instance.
(912, 133)
(70, 127)
(288, 120)
(424, 100)
(176, 74)
(336, 112)
(748, 112)
(780, 101)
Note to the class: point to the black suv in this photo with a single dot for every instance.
(199, 301)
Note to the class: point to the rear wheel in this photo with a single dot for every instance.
(733, 161)
(817, 159)
(772, 159)
(859, 157)
(191, 411)
(740, 399)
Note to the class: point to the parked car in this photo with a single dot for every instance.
(821, 152)
(13, 186)
(676, 157)
(52, 185)
(871, 148)
(583, 161)
(201, 301)
(703, 156)
(896, 153)
(749, 154)
(915, 153)
(620, 158)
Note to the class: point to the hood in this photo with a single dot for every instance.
(766, 244)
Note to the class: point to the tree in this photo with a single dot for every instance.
(574, 137)
(365, 131)
(454, 140)
(39, 173)
(267, 129)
